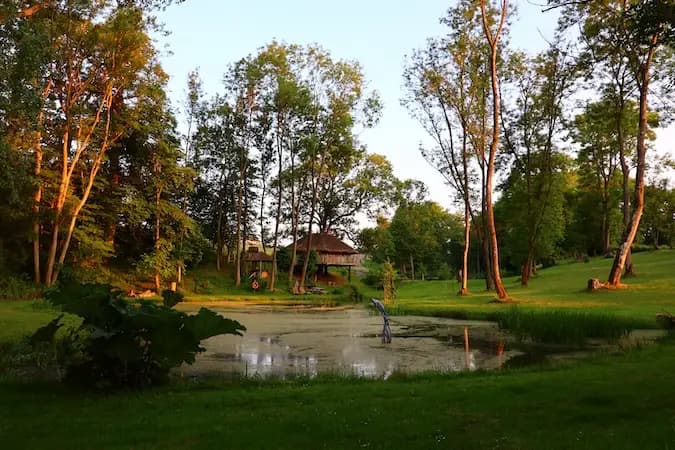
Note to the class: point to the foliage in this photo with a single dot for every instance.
(172, 298)
(377, 242)
(353, 294)
(284, 259)
(425, 234)
(560, 327)
(17, 288)
(119, 344)
(388, 283)
(373, 278)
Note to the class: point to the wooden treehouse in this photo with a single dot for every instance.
(255, 260)
(330, 251)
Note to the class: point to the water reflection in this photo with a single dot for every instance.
(347, 342)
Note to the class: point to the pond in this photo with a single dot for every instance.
(300, 341)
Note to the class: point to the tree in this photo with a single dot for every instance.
(493, 37)
(339, 103)
(658, 224)
(534, 190)
(97, 54)
(423, 235)
(388, 283)
(359, 183)
(643, 31)
(448, 84)
(286, 104)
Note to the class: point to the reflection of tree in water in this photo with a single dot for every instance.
(263, 359)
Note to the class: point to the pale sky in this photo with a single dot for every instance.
(210, 34)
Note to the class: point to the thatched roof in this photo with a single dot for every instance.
(253, 255)
(326, 243)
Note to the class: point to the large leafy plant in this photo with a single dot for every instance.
(123, 344)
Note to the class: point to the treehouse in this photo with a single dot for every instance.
(330, 251)
(255, 260)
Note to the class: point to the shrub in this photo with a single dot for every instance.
(283, 259)
(119, 344)
(353, 294)
(172, 298)
(373, 279)
(16, 288)
(388, 282)
(444, 272)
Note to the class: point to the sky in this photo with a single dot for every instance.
(211, 34)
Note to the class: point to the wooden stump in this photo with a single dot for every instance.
(594, 284)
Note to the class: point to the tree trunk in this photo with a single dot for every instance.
(240, 200)
(305, 263)
(245, 230)
(73, 220)
(219, 238)
(526, 269)
(606, 246)
(485, 249)
(493, 40)
(294, 247)
(625, 172)
(412, 267)
(464, 289)
(37, 198)
(273, 275)
(58, 207)
(614, 278)
(158, 197)
(315, 191)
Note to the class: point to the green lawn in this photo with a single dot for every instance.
(558, 288)
(20, 318)
(610, 402)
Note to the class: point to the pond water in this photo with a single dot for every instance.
(293, 341)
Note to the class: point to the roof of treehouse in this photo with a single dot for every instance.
(254, 255)
(326, 243)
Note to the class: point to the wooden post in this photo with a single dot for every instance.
(349, 273)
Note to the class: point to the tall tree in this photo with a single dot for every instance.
(97, 54)
(532, 126)
(340, 104)
(644, 31)
(493, 36)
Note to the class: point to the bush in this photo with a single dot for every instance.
(17, 288)
(353, 294)
(283, 259)
(388, 283)
(444, 272)
(119, 344)
(171, 298)
(374, 279)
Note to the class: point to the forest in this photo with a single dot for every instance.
(547, 156)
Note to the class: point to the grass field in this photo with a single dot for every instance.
(561, 287)
(617, 402)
